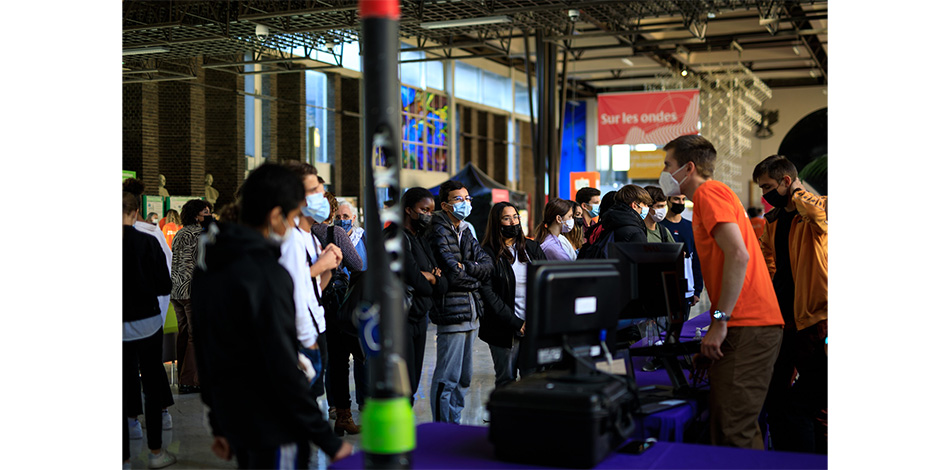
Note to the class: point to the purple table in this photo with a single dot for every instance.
(667, 425)
(441, 445)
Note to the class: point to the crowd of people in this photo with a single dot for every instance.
(266, 335)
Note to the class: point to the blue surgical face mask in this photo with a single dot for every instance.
(462, 209)
(346, 224)
(317, 208)
(644, 211)
(594, 210)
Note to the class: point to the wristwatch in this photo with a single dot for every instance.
(721, 316)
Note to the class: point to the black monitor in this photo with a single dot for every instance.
(653, 279)
(569, 305)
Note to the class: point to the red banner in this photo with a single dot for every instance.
(654, 117)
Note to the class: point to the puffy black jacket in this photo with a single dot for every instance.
(499, 324)
(450, 250)
(418, 257)
(625, 223)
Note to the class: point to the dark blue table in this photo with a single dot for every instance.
(441, 445)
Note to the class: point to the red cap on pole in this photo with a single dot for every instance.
(379, 9)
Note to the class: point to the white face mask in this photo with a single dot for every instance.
(669, 185)
(659, 214)
(280, 239)
(567, 225)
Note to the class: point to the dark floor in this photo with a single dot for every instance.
(190, 439)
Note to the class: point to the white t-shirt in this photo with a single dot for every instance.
(293, 259)
(521, 283)
(313, 249)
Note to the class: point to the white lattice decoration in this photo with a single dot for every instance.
(729, 95)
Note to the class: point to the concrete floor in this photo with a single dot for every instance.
(190, 438)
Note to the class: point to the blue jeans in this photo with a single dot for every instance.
(452, 375)
(314, 356)
(506, 362)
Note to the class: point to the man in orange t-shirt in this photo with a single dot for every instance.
(746, 329)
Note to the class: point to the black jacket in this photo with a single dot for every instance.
(626, 224)
(499, 324)
(449, 250)
(246, 345)
(144, 275)
(418, 258)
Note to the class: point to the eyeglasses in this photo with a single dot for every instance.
(508, 218)
(460, 198)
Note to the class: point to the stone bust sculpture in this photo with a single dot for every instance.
(211, 194)
(161, 186)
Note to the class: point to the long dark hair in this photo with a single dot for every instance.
(554, 208)
(494, 241)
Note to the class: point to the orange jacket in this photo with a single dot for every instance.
(808, 255)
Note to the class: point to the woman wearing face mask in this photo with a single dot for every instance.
(423, 277)
(576, 235)
(504, 321)
(346, 218)
(558, 220)
(195, 218)
(341, 345)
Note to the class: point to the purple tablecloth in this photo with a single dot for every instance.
(441, 445)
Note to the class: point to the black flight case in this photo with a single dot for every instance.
(559, 419)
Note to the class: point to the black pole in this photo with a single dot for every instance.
(388, 435)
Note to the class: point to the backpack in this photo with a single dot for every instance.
(597, 250)
(335, 292)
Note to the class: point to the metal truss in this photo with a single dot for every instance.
(222, 32)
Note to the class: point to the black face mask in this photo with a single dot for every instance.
(677, 208)
(579, 222)
(207, 222)
(510, 231)
(775, 199)
(422, 222)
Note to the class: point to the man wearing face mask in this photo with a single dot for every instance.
(260, 407)
(746, 325)
(466, 266)
(589, 200)
(625, 218)
(297, 259)
(682, 230)
(795, 246)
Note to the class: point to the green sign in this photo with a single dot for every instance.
(127, 174)
(154, 204)
(175, 202)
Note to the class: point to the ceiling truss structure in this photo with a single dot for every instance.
(612, 45)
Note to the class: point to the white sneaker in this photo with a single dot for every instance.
(135, 428)
(166, 420)
(162, 460)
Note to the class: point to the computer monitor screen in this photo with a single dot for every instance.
(568, 304)
(652, 278)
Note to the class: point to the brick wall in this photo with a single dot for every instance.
(224, 133)
(290, 124)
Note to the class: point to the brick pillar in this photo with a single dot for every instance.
(291, 118)
(351, 141)
(224, 133)
(140, 133)
(182, 161)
